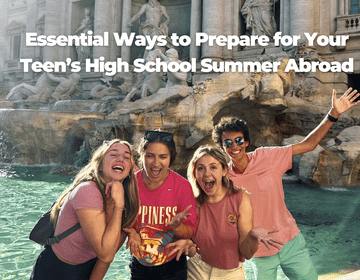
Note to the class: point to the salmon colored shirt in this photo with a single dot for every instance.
(75, 248)
(217, 234)
(263, 179)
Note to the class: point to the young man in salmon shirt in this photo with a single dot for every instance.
(260, 172)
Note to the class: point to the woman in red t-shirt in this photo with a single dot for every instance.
(167, 211)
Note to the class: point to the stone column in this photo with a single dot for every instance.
(285, 17)
(52, 27)
(236, 22)
(195, 26)
(341, 7)
(4, 37)
(30, 52)
(228, 26)
(103, 22)
(115, 49)
(126, 16)
(347, 10)
(213, 24)
(301, 12)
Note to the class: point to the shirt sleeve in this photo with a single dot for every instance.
(87, 196)
(281, 158)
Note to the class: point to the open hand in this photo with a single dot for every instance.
(262, 235)
(344, 103)
(177, 220)
(180, 246)
(134, 241)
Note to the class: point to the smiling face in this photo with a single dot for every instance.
(156, 162)
(117, 163)
(209, 173)
(235, 152)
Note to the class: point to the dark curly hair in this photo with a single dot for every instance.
(227, 124)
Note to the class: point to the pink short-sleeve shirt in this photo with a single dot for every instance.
(263, 179)
(75, 248)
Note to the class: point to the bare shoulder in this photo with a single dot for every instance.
(245, 204)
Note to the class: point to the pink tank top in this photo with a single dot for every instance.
(217, 233)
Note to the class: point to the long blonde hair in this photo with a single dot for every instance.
(222, 158)
(92, 172)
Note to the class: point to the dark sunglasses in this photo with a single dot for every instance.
(227, 143)
(155, 135)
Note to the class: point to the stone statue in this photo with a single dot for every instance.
(42, 92)
(174, 78)
(153, 24)
(25, 91)
(66, 86)
(151, 83)
(119, 84)
(84, 52)
(259, 16)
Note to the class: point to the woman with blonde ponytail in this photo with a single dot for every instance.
(104, 199)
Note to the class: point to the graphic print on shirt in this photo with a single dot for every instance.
(154, 235)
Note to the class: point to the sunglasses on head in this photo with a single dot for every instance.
(155, 135)
(227, 143)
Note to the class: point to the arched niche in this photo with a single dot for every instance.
(77, 15)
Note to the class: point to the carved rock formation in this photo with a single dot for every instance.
(33, 133)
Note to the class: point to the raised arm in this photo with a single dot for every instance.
(250, 237)
(339, 106)
(105, 239)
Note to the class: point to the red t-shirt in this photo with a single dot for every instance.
(157, 208)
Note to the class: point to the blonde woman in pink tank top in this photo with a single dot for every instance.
(225, 235)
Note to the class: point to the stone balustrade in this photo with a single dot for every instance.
(348, 24)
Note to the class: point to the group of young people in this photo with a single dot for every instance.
(227, 212)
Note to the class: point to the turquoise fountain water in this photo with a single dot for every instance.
(329, 220)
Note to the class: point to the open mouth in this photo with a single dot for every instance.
(209, 185)
(118, 168)
(155, 172)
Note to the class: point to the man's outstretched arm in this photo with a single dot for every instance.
(338, 107)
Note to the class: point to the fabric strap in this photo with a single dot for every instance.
(57, 238)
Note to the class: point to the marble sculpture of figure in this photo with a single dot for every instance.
(24, 91)
(174, 78)
(153, 24)
(66, 86)
(42, 91)
(259, 16)
(84, 52)
(152, 82)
